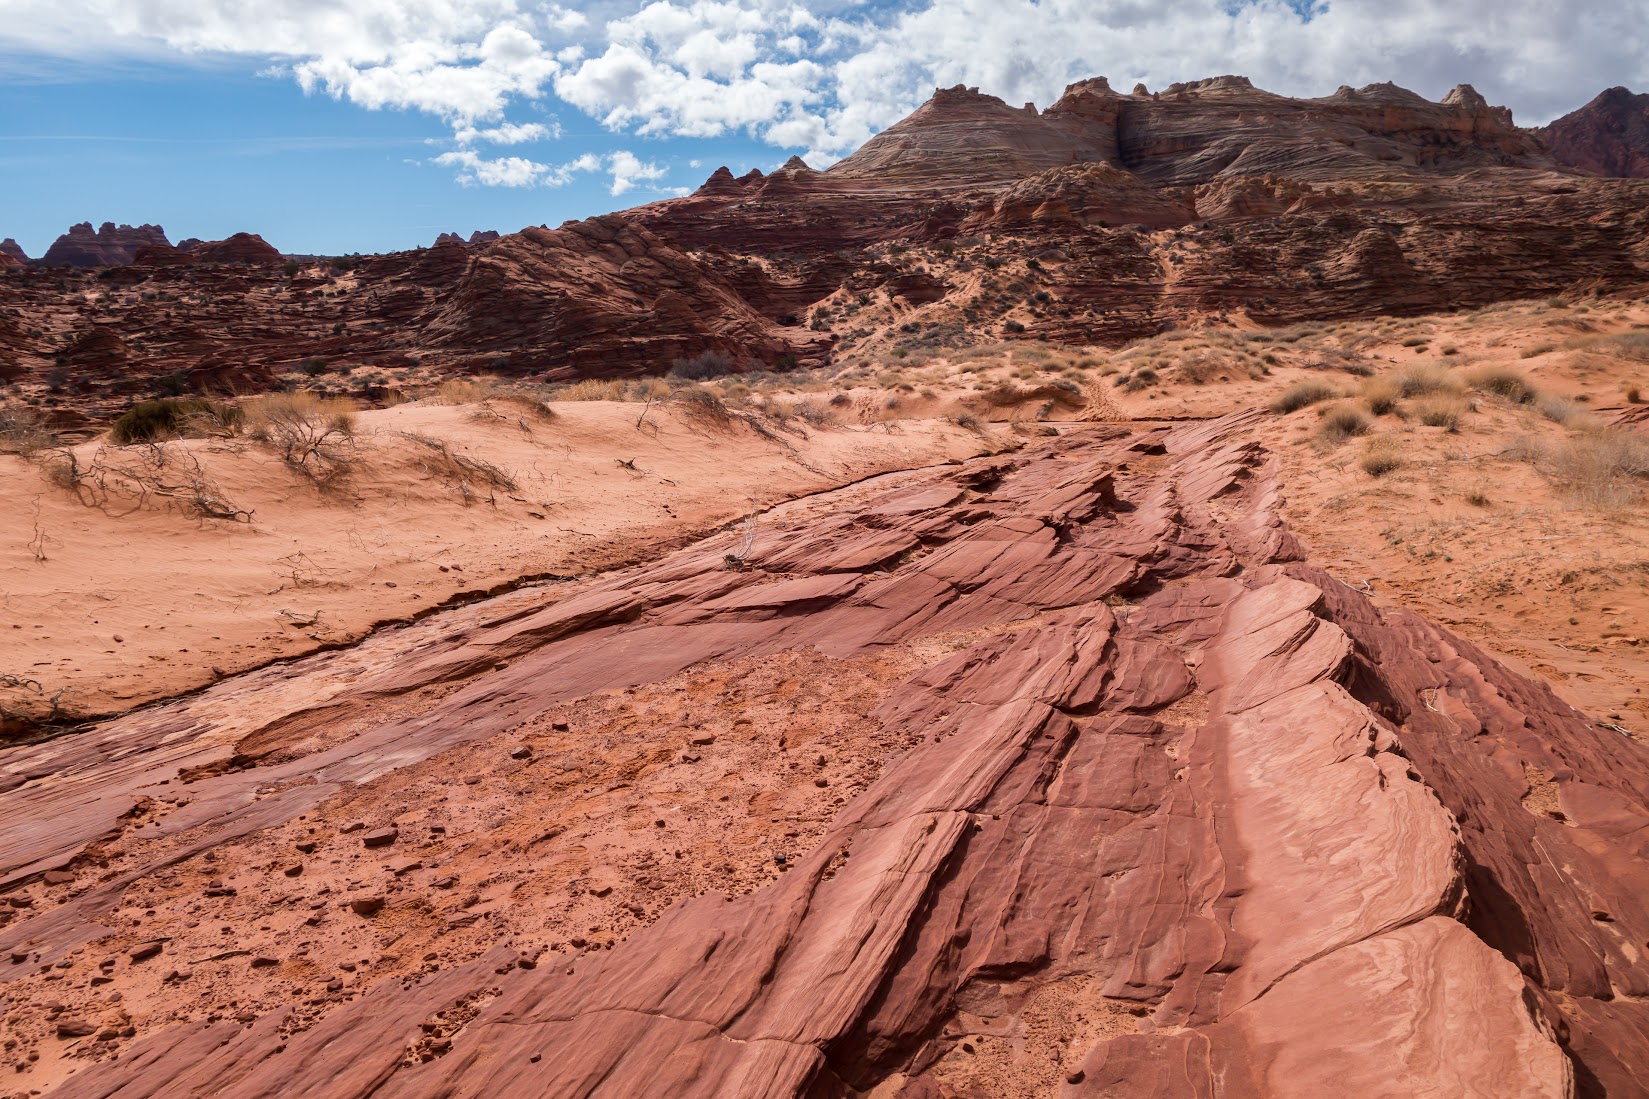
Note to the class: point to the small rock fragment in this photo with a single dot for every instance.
(143, 951)
(383, 837)
(366, 906)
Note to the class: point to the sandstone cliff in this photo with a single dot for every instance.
(109, 244)
(1608, 136)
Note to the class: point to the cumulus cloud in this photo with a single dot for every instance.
(825, 78)
(626, 171)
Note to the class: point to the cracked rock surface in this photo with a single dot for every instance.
(1055, 773)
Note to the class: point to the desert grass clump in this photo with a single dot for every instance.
(1381, 396)
(594, 389)
(1559, 410)
(1537, 350)
(1301, 394)
(1381, 455)
(1605, 468)
(1502, 381)
(1422, 379)
(1441, 412)
(1341, 422)
(466, 390)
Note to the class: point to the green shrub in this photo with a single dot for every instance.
(170, 418)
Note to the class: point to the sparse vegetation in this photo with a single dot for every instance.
(1301, 394)
(1421, 379)
(1502, 381)
(312, 434)
(172, 418)
(1341, 422)
(1604, 468)
(1381, 455)
(1441, 412)
(1381, 396)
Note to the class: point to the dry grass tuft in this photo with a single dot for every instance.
(1502, 381)
(1421, 379)
(1341, 422)
(1441, 412)
(1301, 394)
(1381, 396)
(1606, 468)
(1382, 454)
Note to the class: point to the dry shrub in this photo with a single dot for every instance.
(1626, 345)
(1341, 422)
(593, 389)
(466, 390)
(1502, 381)
(1422, 379)
(461, 471)
(1441, 412)
(1301, 394)
(1560, 410)
(1605, 468)
(1201, 367)
(1381, 396)
(1382, 454)
(22, 432)
(1062, 394)
(701, 404)
(315, 435)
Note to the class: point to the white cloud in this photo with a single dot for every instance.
(510, 133)
(825, 78)
(627, 171)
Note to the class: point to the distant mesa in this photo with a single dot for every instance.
(1609, 136)
(480, 236)
(11, 253)
(108, 246)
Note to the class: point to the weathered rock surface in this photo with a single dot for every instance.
(1158, 808)
(13, 253)
(108, 245)
(1608, 136)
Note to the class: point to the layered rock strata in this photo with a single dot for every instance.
(1141, 803)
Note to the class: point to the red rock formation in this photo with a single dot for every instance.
(12, 253)
(1212, 199)
(240, 248)
(108, 246)
(163, 255)
(1180, 814)
(1608, 136)
(603, 297)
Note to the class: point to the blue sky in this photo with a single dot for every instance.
(366, 125)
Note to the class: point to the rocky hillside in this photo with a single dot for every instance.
(1207, 202)
(1608, 136)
